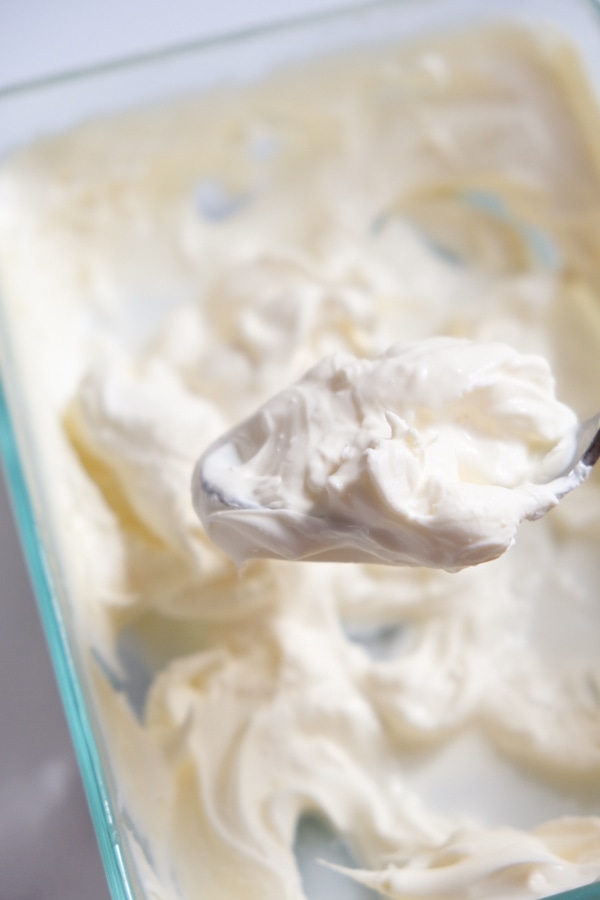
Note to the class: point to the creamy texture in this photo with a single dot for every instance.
(429, 455)
(166, 273)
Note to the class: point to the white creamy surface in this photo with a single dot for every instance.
(190, 262)
(431, 454)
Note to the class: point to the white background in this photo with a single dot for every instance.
(47, 845)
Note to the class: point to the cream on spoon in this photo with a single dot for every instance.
(431, 454)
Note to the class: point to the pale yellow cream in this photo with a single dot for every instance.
(166, 273)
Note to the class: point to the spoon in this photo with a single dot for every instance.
(588, 446)
(246, 528)
(430, 454)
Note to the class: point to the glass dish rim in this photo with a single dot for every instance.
(200, 44)
(58, 642)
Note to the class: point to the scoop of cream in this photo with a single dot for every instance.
(431, 454)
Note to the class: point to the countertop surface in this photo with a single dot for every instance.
(47, 845)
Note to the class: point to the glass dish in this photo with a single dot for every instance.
(31, 111)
